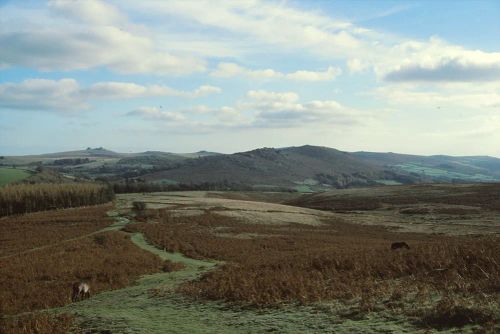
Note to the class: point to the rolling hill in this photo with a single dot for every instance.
(439, 167)
(304, 168)
(307, 168)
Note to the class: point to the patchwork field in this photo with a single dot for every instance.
(231, 262)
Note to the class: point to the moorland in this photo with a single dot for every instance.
(256, 262)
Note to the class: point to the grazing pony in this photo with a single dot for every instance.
(81, 290)
(399, 245)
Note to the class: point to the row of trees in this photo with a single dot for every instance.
(142, 187)
(25, 198)
(133, 186)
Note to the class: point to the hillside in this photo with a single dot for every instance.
(439, 167)
(309, 168)
(305, 166)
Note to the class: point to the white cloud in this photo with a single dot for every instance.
(355, 65)
(266, 23)
(327, 75)
(262, 109)
(267, 96)
(205, 90)
(117, 90)
(276, 27)
(154, 113)
(67, 94)
(100, 37)
(89, 34)
(438, 61)
(42, 94)
(89, 11)
(283, 110)
(453, 96)
(227, 70)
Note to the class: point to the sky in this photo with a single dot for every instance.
(417, 77)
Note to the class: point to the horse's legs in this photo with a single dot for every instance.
(75, 294)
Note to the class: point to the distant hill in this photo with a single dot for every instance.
(304, 168)
(89, 152)
(439, 167)
(100, 153)
(309, 168)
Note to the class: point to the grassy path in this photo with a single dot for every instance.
(152, 306)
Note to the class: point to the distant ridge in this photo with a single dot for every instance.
(305, 168)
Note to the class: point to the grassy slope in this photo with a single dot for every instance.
(9, 175)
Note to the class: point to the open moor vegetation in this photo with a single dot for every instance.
(38, 323)
(41, 229)
(484, 196)
(270, 265)
(41, 277)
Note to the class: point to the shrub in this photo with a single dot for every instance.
(169, 266)
(454, 312)
(139, 206)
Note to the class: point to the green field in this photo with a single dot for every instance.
(9, 175)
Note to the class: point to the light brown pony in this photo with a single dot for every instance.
(81, 290)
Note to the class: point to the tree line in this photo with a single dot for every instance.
(25, 198)
(134, 186)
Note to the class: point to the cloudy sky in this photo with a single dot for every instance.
(418, 77)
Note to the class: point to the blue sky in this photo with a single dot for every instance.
(420, 77)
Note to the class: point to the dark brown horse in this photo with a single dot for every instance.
(399, 245)
(81, 290)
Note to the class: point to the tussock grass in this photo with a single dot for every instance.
(25, 198)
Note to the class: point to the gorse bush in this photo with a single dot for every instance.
(25, 198)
